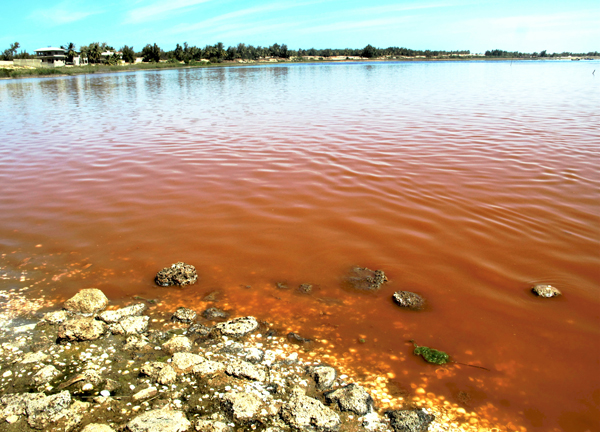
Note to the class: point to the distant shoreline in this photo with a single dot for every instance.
(102, 69)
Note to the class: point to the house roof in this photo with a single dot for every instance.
(49, 49)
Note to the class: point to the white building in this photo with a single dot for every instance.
(51, 56)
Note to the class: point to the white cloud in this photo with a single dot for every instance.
(236, 18)
(158, 10)
(63, 13)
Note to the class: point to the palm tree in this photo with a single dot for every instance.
(69, 51)
(94, 52)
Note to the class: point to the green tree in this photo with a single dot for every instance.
(151, 53)
(9, 54)
(128, 54)
(93, 52)
(369, 51)
(69, 51)
(178, 53)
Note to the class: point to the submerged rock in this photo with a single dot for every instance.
(184, 315)
(208, 425)
(177, 344)
(87, 301)
(352, 398)
(544, 290)
(215, 313)
(409, 300)
(237, 327)
(364, 279)
(97, 427)
(81, 329)
(242, 369)
(43, 410)
(114, 316)
(305, 288)
(179, 274)
(296, 338)
(45, 375)
(410, 420)
(199, 329)
(162, 373)
(131, 325)
(159, 420)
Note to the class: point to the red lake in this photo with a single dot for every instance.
(465, 182)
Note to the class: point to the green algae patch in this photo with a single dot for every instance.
(431, 355)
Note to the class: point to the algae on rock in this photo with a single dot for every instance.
(431, 355)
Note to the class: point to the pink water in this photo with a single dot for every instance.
(465, 182)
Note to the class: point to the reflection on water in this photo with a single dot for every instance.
(465, 182)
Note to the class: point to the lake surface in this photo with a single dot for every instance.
(465, 182)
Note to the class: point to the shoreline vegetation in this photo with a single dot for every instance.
(42, 72)
(102, 58)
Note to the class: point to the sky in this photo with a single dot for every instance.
(511, 25)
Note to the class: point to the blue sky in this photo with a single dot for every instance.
(520, 25)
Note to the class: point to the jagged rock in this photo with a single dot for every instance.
(177, 344)
(199, 329)
(56, 317)
(81, 329)
(254, 355)
(242, 406)
(34, 357)
(544, 290)
(296, 338)
(16, 404)
(409, 300)
(364, 279)
(184, 362)
(242, 369)
(159, 420)
(324, 376)
(302, 412)
(145, 394)
(184, 315)
(351, 398)
(87, 301)
(114, 316)
(208, 425)
(215, 313)
(179, 274)
(162, 373)
(305, 288)
(44, 410)
(44, 375)
(131, 325)
(237, 327)
(97, 427)
(410, 420)
(208, 367)
(135, 342)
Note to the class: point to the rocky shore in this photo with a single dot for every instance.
(88, 368)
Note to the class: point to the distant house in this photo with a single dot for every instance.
(51, 56)
(56, 57)
(107, 54)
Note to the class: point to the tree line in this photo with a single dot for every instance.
(541, 54)
(217, 53)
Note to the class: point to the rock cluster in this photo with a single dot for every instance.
(112, 372)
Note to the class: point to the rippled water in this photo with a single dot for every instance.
(465, 182)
